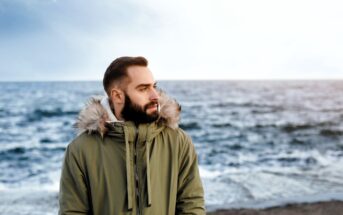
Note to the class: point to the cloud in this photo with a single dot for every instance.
(201, 39)
(67, 38)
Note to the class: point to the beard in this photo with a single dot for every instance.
(137, 114)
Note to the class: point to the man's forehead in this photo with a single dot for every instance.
(140, 75)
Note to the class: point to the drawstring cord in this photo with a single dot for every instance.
(128, 170)
(147, 155)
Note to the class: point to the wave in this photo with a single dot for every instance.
(295, 127)
(291, 127)
(39, 114)
(3, 113)
(26, 153)
(274, 108)
(16, 150)
(190, 126)
(331, 132)
(47, 140)
(222, 125)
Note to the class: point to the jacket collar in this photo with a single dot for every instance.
(97, 113)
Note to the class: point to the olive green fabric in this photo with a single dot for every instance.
(98, 174)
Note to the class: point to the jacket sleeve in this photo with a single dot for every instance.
(190, 195)
(73, 190)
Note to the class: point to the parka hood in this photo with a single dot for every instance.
(94, 116)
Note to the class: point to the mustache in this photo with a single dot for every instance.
(151, 104)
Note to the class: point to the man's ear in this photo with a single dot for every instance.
(117, 96)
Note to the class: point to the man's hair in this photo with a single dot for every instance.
(117, 71)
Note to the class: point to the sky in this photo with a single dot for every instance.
(47, 40)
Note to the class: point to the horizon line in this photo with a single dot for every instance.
(95, 80)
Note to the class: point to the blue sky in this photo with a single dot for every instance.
(194, 39)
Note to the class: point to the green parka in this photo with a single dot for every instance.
(120, 168)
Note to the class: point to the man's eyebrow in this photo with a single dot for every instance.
(145, 85)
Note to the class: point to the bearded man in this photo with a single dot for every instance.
(130, 157)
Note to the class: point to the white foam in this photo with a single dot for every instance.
(205, 173)
(34, 184)
(2, 187)
(266, 185)
(55, 178)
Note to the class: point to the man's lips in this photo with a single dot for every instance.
(152, 106)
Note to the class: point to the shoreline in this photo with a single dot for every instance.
(44, 202)
(332, 207)
(278, 203)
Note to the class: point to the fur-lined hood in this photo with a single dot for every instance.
(94, 116)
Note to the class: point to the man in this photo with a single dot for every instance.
(130, 156)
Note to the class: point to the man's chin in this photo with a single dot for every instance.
(153, 115)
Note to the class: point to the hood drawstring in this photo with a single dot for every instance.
(147, 152)
(128, 170)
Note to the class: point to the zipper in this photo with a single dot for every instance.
(136, 175)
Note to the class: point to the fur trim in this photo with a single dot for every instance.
(93, 116)
(170, 111)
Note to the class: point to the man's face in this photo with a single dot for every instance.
(141, 97)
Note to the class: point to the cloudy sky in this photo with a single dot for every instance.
(182, 39)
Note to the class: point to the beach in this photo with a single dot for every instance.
(46, 203)
(320, 208)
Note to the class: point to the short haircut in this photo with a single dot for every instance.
(117, 71)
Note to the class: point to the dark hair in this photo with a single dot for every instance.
(117, 70)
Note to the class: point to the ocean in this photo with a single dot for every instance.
(259, 143)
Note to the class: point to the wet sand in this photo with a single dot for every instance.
(46, 203)
(320, 208)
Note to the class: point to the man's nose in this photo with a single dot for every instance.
(154, 94)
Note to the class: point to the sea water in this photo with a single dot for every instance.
(258, 142)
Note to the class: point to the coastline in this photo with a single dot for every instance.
(320, 208)
(45, 202)
(319, 204)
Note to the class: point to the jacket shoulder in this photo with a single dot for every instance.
(80, 150)
(84, 141)
(179, 136)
